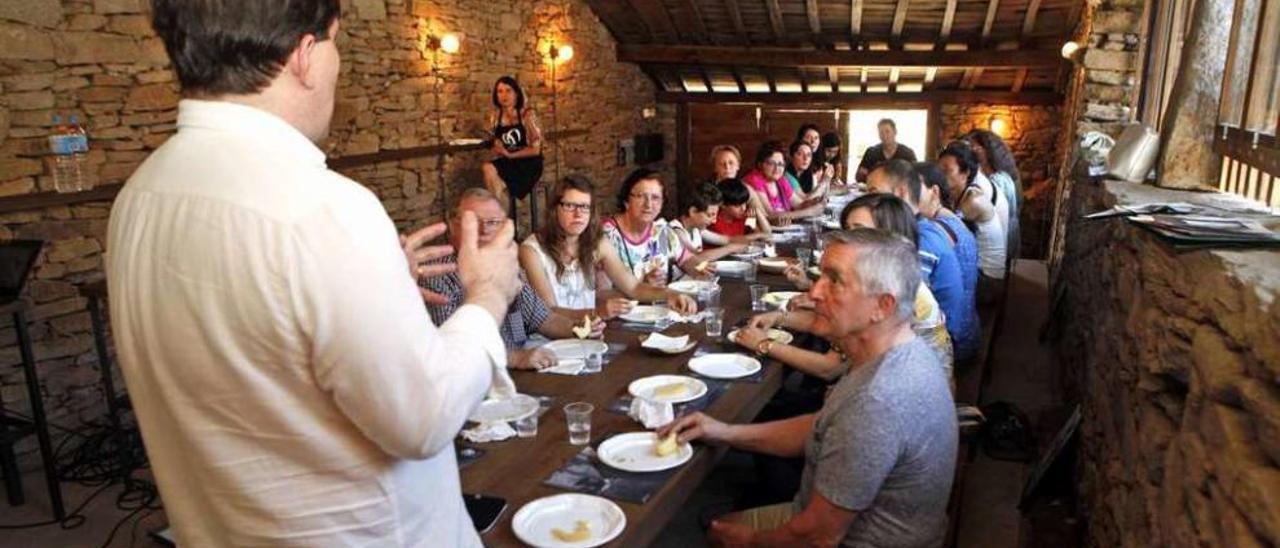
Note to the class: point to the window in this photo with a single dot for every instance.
(913, 131)
(1250, 105)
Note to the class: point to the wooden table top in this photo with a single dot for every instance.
(515, 469)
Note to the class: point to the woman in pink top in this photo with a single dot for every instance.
(768, 183)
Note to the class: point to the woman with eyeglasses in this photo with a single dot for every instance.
(645, 243)
(517, 144)
(768, 182)
(566, 259)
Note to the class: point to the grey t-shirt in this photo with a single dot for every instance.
(884, 445)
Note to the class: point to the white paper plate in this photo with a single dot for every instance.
(633, 452)
(789, 228)
(643, 388)
(778, 299)
(533, 523)
(511, 409)
(731, 267)
(748, 255)
(724, 366)
(691, 287)
(832, 224)
(569, 349)
(778, 336)
(646, 314)
(692, 343)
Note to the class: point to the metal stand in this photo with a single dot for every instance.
(13, 429)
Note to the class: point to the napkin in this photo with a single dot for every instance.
(652, 414)
(572, 366)
(489, 431)
(658, 341)
(770, 251)
(502, 387)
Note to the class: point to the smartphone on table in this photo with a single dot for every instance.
(484, 510)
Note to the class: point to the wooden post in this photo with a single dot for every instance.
(1186, 159)
(683, 128)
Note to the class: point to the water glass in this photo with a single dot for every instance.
(715, 321)
(758, 291)
(709, 297)
(804, 255)
(578, 417)
(749, 273)
(528, 426)
(595, 362)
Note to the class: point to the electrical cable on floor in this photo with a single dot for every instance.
(101, 455)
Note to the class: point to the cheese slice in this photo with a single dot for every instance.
(666, 446)
(580, 532)
(584, 330)
(673, 390)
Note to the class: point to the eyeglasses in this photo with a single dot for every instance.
(575, 208)
(775, 164)
(487, 225)
(654, 198)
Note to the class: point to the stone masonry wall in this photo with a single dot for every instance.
(1032, 136)
(1112, 67)
(1175, 357)
(100, 60)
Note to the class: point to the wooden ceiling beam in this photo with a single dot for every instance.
(695, 19)
(843, 99)
(815, 23)
(619, 19)
(990, 21)
(1029, 21)
(735, 15)
(899, 20)
(833, 76)
(948, 19)
(655, 16)
(894, 74)
(1019, 80)
(855, 22)
(775, 19)
(797, 57)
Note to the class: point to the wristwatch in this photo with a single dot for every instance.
(763, 347)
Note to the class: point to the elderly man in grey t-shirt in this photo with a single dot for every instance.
(880, 454)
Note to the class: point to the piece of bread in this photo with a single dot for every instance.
(673, 390)
(583, 331)
(666, 446)
(581, 531)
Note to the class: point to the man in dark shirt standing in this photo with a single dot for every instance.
(888, 149)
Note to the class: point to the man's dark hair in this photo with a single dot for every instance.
(931, 176)
(236, 47)
(887, 122)
(964, 156)
(700, 197)
(640, 174)
(902, 173)
(733, 192)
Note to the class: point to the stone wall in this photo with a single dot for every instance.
(1112, 67)
(1175, 357)
(99, 59)
(1032, 135)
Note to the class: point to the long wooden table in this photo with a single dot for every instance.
(515, 469)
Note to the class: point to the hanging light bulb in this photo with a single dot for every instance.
(449, 43)
(1069, 49)
(999, 126)
(564, 53)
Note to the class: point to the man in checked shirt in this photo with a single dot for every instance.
(526, 315)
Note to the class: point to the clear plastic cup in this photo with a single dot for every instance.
(709, 297)
(715, 321)
(594, 361)
(758, 291)
(804, 255)
(749, 273)
(578, 418)
(527, 427)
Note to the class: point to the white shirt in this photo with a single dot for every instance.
(290, 387)
(571, 289)
(991, 234)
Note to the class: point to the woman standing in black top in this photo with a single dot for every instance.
(517, 144)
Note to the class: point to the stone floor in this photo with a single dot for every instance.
(1021, 374)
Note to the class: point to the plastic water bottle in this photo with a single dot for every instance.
(68, 145)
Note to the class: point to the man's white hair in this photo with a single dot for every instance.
(885, 263)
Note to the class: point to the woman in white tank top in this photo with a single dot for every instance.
(980, 204)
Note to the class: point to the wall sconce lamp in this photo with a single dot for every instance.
(999, 126)
(1072, 51)
(556, 54)
(432, 45)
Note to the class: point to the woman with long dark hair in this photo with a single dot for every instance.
(997, 163)
(768, 182)
(517, 144)
(984, 209)
(565, 259)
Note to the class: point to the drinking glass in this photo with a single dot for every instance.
(715, 321)
(749, 273)
(804, 255)
(758, 291)
(528, 426)
(709, 297)
(578, 417)
(595, 362)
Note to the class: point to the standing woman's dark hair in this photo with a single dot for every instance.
(236, 47)
(551, 235)
(511, 82)
(998, 154)
(806, 128)
(890, 212)
(640, 174)
(964, 156)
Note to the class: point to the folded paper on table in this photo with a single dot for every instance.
(489, 431)
(658, 341)
(571, 366)
(652, 414)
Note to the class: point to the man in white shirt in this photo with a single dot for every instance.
(290, 387)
